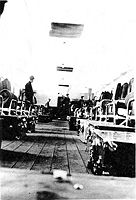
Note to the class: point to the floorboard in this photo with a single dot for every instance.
(51, 147)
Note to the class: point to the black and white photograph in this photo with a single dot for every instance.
(67, 99)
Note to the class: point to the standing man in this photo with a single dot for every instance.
(67, 105)
(47, 104)
(29, 94)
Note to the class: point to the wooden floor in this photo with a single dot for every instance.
(52, 146)
(27, 167)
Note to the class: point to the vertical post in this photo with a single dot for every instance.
(90, 93)
(2, 4)
(1, 130)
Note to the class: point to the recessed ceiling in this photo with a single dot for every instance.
(65, 69)
(66, 30)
